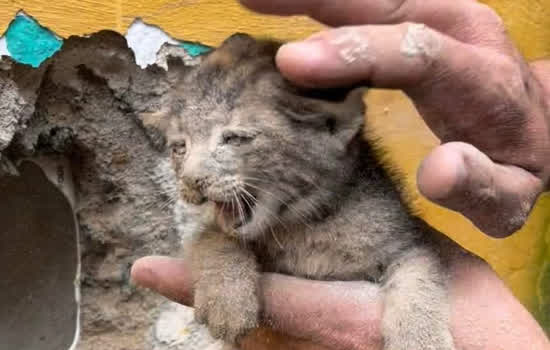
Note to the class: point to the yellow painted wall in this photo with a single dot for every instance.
(207, 21)
(518, 259)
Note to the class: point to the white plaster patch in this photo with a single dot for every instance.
(420, 41)
(146, 40)
(4, 47)
(352, 46)
(169, 50)
(176, 329)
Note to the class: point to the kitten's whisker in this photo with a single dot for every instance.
(246, 192)
(223, 207)
(269, 212)
(302, 217)
(239, 208)
(243, 192)
(268, 193)
(232, 209)
(275, 237)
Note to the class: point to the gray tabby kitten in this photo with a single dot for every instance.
(297, 190)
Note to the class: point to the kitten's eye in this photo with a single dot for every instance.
(237, 138)
(179, 148)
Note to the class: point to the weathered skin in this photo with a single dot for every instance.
(297, 190)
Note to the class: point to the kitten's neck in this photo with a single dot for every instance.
(366, 180)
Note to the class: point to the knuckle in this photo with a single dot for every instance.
(511, 80)
(420, 40)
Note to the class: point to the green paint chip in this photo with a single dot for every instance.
(195, 49)
(30, 43)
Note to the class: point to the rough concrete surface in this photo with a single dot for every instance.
(84, 104)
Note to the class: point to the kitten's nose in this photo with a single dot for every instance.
(194, 189)
(194, 181)
(195, 171)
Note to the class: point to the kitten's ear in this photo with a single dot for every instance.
(353, 106)
(241, 46)
(341, 112)
(349, 114)
(156, 126)
(239, 41)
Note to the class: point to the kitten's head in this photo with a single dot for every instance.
(266, 153)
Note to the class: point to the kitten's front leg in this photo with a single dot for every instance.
(226, 285)
(416, 312)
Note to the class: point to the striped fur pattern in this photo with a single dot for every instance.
(295, 189)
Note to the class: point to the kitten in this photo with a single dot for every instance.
(296, 190)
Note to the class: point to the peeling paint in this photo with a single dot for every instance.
(195, 49)
(27, 42)
(146, 40)
(30, 43)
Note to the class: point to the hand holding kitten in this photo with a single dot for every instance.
(469, 82)
(479, 96)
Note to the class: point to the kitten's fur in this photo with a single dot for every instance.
(297, 191)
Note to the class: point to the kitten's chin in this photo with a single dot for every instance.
(233, 219)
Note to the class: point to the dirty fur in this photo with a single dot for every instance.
(296, 189)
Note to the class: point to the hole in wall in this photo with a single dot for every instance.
(84, 104)
(38, 252)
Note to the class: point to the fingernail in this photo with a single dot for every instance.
(141, 274)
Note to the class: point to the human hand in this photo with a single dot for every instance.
(468, 81)
(347, 315)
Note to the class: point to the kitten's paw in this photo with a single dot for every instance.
(229, 314)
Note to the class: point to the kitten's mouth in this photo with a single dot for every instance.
(233, 215)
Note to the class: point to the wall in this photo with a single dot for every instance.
(523, 260)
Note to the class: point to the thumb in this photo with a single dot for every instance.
(337, 315)
(167, 276)
(496, 198)
(333, 314)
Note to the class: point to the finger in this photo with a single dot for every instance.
(338, 315)
(463, 92)
(167, 276)
(462, 19)
(300, 308)
(541, 70)
(386, 56)
(496, 198)
(485, 314)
